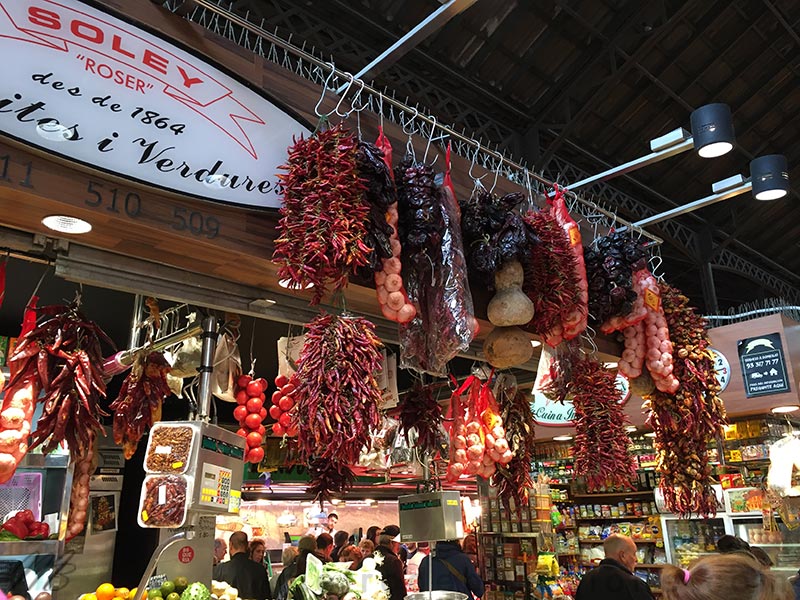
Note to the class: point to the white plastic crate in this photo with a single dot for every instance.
(23, 490)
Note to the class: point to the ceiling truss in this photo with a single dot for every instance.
(476, 123)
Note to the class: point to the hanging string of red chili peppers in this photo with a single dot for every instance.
(686, 421)
(513, 481)
(336, 395)
(601, 446)
(322, 230)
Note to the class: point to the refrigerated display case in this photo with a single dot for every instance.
(745, 520)
(686, 540)
(782, 545)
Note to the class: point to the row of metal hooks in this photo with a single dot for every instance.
(412, 120)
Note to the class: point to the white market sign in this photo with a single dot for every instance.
(555, 414)
(82, 84)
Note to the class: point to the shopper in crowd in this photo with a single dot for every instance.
(451, 570)
(729, 576)
(613, 578)
(279, 584)
(220, 550)
(470, 546)
(340, 541)
(351, 554)
(324, 547)
(256, 551)
(367, 547)
(372, 534)
(242, 573)
(794, 580)
(305, 546)
(389, 565)
(333, 519)
(416, 554)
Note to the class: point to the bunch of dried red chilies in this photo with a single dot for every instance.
(337, 394)
(323, 225)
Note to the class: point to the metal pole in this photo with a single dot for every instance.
(141, 590)
(692, 206)
(206, 367)
(634, 165)
(436, 20)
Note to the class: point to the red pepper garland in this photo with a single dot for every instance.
(601, 446)
(336, 395)
(686, 421)
(550, 280)
(513, 480)
(323, 217)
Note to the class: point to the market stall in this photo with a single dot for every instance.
(433, 307)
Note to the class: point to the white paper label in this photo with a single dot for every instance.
(163, 449)
(162, 494)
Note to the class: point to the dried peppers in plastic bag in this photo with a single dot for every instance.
(686, 421)
(435, 272)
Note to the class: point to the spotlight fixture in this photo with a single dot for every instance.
(712, 130)
(66, 224)
(562, 438)
(536, 343)
(630, 428)
(611, 365)
(711, 135)
(787, 408)
(650, 434)
(770, 177)
(769, 181)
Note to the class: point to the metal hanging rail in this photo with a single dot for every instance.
(411, 118)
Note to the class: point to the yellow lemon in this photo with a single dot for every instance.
(132, 593)
(123, 593)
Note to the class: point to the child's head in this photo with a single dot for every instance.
(730, 576)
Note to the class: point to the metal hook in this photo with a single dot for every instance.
(325, 88)
(496, 173)
(430, 139)
(344, 95)
(408, 132)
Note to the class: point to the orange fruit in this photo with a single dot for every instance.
(105, 591)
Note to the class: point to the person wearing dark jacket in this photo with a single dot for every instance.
(795, 581)
(248, 577)
(340, 541)
(388, 564)
(613, 579)
(451, 570)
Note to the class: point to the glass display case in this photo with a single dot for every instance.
(781, 544)
(686, 540)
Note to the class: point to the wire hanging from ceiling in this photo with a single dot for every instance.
(219, 18)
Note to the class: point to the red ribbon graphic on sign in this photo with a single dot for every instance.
(65, 29)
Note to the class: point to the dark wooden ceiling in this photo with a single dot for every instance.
(589, 83)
